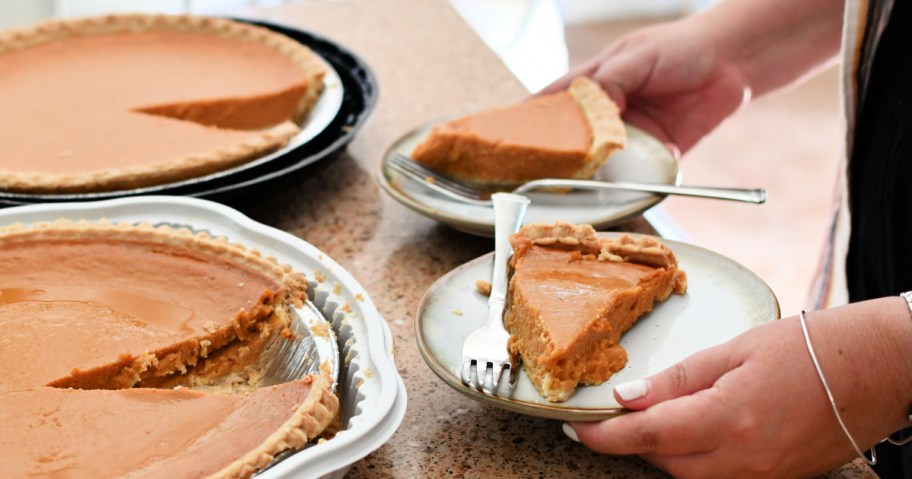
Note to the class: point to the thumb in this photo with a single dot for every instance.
(695, 373)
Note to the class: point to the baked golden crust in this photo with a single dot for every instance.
(308, 421)
(604, 117)
(571, 296)
(262, 138)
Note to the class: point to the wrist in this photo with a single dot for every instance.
(864, 349)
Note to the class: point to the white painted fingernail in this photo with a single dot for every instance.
(570, 432)
(632, 389)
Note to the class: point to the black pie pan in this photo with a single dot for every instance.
(359, 98)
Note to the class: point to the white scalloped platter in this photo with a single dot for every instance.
(372, 392)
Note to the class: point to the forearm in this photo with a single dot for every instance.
(774, 42)
(865, 351)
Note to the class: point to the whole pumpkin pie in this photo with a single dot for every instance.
(568, 134)
(573, 294)
(126, 101)
(95, 316)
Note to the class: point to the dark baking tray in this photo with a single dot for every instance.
(358, 101)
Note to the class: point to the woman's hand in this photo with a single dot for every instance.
(755, 407)
(680, 80)
(668, 79)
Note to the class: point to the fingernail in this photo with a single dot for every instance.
(570, 432)
(632, 389)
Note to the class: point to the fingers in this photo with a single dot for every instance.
(695, 373)
(562, 83)
(681, 426)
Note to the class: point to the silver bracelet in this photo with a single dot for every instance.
(901, 442)
(807, 340)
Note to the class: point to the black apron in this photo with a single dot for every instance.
(879, 261)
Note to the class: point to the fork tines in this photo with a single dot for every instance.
(479, 381)
(410, 167)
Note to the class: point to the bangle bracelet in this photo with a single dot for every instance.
(901, 442)
(807, 340)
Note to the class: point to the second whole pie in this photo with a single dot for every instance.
(107, 329)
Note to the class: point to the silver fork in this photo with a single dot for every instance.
(472, 194)
(484, 353)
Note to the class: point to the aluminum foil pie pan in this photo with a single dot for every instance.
(372, 393)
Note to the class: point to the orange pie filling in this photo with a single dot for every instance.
(571, 297)
(568, 134)
(147, 99)
(134, 308)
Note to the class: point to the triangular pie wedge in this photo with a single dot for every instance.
(568, 134)
(573, 294)
(95, 317)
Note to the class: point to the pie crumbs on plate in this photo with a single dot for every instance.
(146, 339)
(573, 294)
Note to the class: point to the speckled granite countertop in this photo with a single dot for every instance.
(430, 65)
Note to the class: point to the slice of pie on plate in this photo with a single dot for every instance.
(95, 316)
(573, 294)
(125, 101)
(568, 134)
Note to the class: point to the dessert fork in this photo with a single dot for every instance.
(484, 353)
(472, 194)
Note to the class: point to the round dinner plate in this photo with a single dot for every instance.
(644, 160)
(723, 299)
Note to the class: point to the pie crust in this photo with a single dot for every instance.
(568, 134)
(573, 294)
(108, 127)
(118, 311)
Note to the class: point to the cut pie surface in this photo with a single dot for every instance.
(571, 297)
(146, 99)
(158, 433)
(568, 134)
(113, 310)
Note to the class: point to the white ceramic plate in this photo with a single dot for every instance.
(373, 395)
(722, 300)
(644, 160)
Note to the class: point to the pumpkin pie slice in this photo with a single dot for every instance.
(571, 297)
(568, 134)
(147, 99)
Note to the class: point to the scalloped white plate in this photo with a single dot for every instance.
(372, 392)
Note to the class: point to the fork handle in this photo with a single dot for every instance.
(734, 194)
(508, 212)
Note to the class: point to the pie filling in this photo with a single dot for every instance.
(567, 134)
(148, 312)
(571, 297)
(148, 99)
